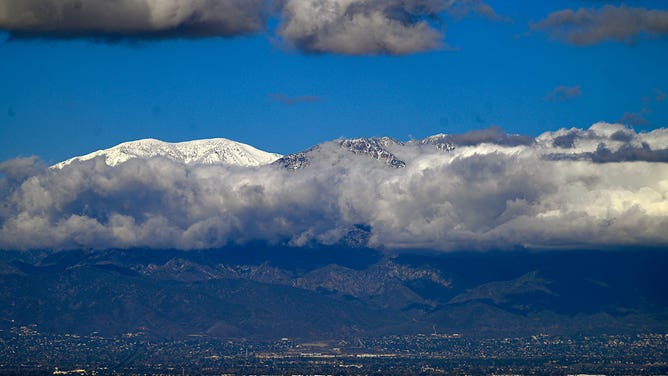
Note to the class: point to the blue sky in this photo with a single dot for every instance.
(66, 97)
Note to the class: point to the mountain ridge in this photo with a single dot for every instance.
(229, 152)
(321, 293)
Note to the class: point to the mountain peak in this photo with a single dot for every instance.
(374, 147)
(205, 151)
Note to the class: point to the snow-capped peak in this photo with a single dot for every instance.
(208, 151)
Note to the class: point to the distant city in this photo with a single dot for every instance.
(27, 351)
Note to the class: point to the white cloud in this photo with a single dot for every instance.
(479, 196)
(358, 27)
(361, 26)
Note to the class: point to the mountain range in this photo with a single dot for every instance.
(272, 261)
(270, 292)
(601, 143)
(222, 151)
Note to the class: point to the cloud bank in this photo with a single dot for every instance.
(321, 26)
(608, 23)
(599, 187)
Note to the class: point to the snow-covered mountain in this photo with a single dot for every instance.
(209, 151)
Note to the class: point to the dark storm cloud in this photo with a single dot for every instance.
(608, 23)
(629, 153)
(563, 93)
(131, 19)
(481, 196)
(626, 153)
